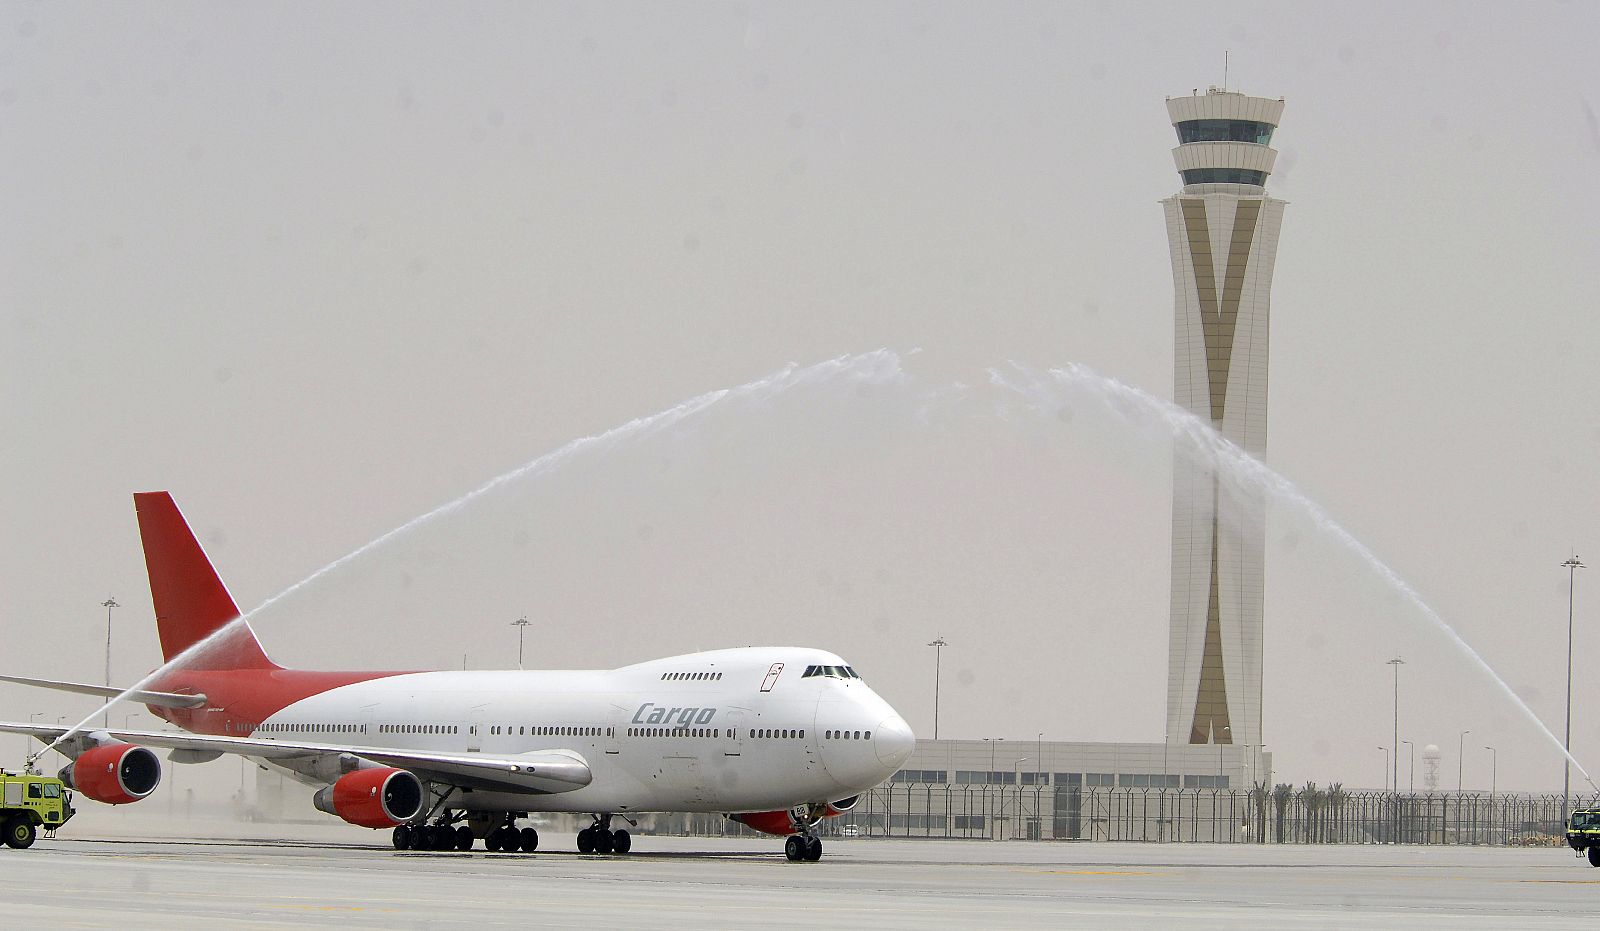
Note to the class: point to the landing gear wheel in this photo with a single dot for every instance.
(622, 841)
(1594, 854)
(586, 840)
(528, 840)
(464, 838)
(422, 837)
(402, 837)
(20, 833)
(444, 837)
(795, 848)
(504, 839)
(603, 841)
(813, 849)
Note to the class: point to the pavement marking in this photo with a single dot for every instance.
(1092, 872)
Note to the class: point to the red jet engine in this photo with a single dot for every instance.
(381, 797)
(115, 774)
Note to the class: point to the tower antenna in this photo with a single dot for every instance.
(1224, 69)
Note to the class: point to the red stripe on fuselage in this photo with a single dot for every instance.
(240, 699)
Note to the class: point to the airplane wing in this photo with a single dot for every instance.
(545, 772)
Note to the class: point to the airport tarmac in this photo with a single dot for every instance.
(671, 883)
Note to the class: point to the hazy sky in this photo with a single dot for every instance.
(317, 269)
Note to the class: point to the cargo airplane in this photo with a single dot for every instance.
(777, 738)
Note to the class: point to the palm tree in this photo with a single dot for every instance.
(1311, 799)
(1281, 793)
(1259, 797)
(1336, 801)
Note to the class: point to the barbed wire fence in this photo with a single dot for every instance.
(1279, 815)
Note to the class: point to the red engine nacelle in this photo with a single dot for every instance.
(381, 797)
(784, 822)
(115, 774)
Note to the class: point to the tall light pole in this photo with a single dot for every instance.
(1412, 769)
(1038, 757)
(1494, 766)
(108, 604)
(1572, 566)
(1397, 662)
(992, 742)
(938, 655)
(1385, 768)
(521, 624)
(1460, 760)
(1219, 756)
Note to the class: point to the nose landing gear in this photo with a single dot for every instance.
(807, 847)
(599, 838)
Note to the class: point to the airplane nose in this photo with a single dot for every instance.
(893, 741)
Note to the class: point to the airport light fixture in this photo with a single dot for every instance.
(1460, 742)
(992, 742)
(1397, 662)
(1494, 766)
(521, 624)
(938, 645)
(108, 604)
(1572, 565)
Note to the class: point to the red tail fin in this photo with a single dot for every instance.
(191, 602)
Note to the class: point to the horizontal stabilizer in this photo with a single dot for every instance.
(142, 696)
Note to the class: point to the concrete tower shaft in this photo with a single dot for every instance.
(1223, 234)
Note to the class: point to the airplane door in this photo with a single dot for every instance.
(476, 729)
(735, 745)
(772, 677)
(612, 740)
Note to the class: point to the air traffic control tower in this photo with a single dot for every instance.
(1223, 230)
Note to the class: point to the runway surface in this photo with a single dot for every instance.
(671, 883)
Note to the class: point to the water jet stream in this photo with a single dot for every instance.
(877, 367)
(1203, 440)
(1044, 393)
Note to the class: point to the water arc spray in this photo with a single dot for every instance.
(880, 366)
(1204, 440)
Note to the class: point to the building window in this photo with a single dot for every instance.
(1224, 131)
(1224, 176)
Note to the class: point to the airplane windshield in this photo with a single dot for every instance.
(832, 672)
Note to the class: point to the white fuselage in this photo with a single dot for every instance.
(721, 731)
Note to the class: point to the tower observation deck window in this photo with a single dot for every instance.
(1224, 131)
(1224, 176)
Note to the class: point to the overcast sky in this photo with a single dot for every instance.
(318, 269)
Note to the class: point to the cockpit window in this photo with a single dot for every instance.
(832, 672)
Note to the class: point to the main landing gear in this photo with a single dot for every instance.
(599, 838)
(509, 839)
(800, 847)
(439, 836)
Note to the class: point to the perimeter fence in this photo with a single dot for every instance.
(1280, 815)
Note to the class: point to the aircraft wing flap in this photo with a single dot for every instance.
(544, 772)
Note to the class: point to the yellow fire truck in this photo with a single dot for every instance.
(29, 802)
